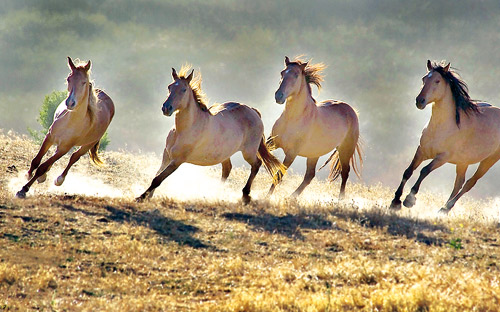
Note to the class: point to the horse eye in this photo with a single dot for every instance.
(296, 75)
(184, 90)
(437, 81)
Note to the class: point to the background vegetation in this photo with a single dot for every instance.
(376, 53)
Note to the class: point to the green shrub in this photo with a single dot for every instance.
(46, 117)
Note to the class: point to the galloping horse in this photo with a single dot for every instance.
(311, 130)
(80, 120)
(460, 131)
(207, 137)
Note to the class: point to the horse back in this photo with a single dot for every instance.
(104, 101)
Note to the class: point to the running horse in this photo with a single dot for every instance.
(461, 132)
(209, 136)
(308, 129)
(80, 120)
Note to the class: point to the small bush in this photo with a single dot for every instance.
(46, 117)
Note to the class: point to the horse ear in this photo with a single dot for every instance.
(174, 74)
(429, 65)
(287, 61)
(447, 67)
(303, 66)
(70, 63)
(188, 79)
(87, 66)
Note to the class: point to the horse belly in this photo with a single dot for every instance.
(214, 150)
(323, 138)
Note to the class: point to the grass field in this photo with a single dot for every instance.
(87, 245)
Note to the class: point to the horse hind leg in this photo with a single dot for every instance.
(484, 166)
(226, 169)
(255, 164)
(73, 159)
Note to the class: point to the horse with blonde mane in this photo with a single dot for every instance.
(209, 136)
(308, 129)
(80, 120)
(461, 132)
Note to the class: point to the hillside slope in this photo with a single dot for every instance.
(89, 246)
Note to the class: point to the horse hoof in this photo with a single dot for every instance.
(141, 198)
(444, 211)
(42, 178)
(396, 204)
(59, 181)
(409, 201)
(21, 194)
(246, 199)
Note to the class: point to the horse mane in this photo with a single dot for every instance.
(312, 72)
(459, 90)
(195, 85)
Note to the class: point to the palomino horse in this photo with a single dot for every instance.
(311, 130)
(460, 131)
(207, 137)
(80, 120)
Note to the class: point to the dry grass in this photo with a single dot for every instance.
(88, 246)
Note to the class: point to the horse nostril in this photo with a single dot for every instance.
(278, 95)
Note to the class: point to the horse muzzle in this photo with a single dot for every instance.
(70, 103)
(421, 102)
(279, 97)
(167, 109)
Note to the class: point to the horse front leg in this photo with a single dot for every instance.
(484, 166)
(73, 159)
(47, 143)
(310, 174)
(417, 160)
(172, 166)
(287, 162)
(41, 170)
(433, 165)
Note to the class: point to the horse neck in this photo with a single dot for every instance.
(444, 110)
(85, 108)
(190, 117)
(296, 106)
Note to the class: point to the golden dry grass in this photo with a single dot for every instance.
(88, 246)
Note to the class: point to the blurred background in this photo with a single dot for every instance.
(376, 53)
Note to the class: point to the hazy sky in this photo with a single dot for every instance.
(375, 51)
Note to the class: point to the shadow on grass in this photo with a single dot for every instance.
(288, 225)
(168, 229)
(394, 224)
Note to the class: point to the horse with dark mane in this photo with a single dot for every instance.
(461, 131)
(310, 129)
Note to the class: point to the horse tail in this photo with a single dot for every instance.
(271, 143)
(336, 166)
(272, 164)
(94, 154)
(356, 166)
